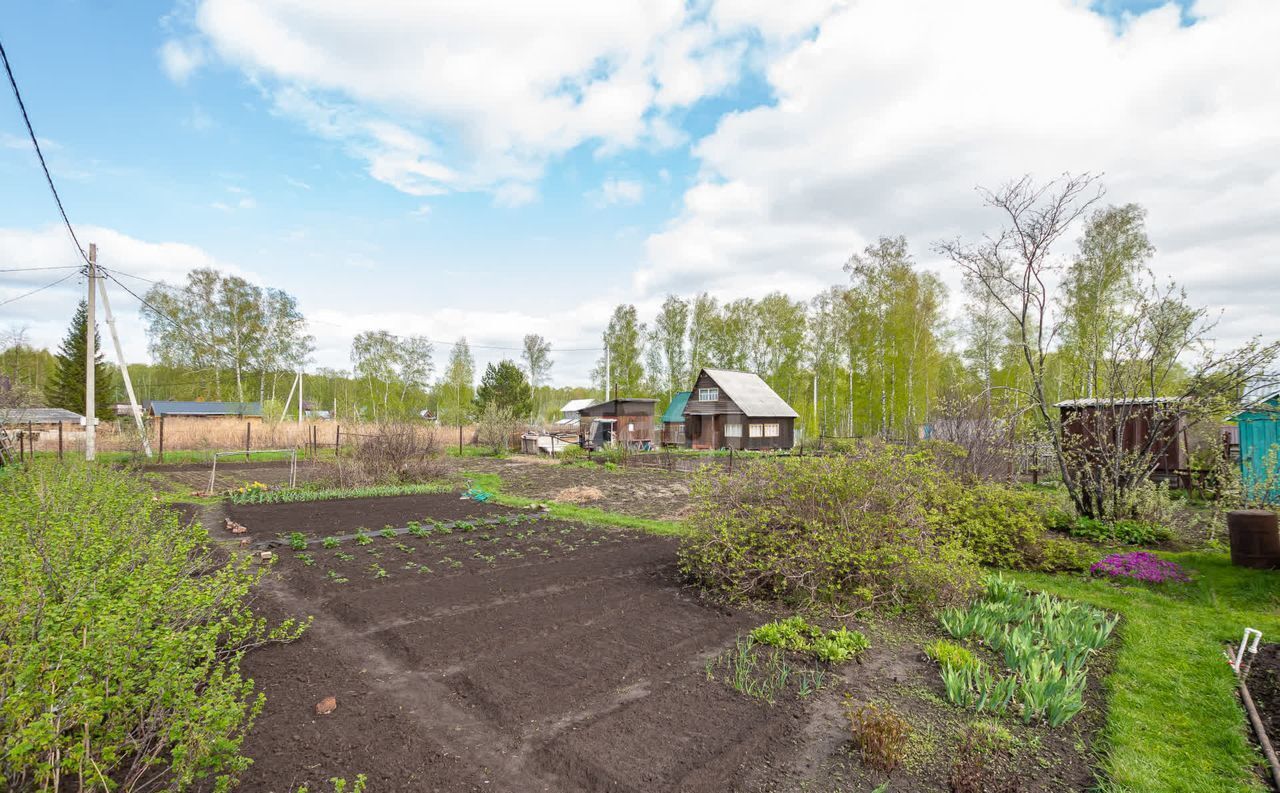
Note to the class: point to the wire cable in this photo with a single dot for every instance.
(40, 289)
(33, 269)
(175, 323)
(13, 83)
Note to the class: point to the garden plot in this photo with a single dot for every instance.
(539, 656)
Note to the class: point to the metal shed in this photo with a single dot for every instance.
(1259, 426)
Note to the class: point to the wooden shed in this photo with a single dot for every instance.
(629, 422)
(1259, 428)
(1157, 425)
(737, 410)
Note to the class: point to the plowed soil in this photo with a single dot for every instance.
(538, 657)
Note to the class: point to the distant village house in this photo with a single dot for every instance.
(737, 410)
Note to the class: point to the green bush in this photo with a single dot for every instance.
(1126, 532)
(849, 529)
(122, 634)
(1001, 526)
(573, 453)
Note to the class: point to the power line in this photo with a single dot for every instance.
(41, 289)
(175, 323)
(33, 269)
(13, 83)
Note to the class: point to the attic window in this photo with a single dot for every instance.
(708, 394)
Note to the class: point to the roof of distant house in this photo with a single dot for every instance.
(574, 405)
(173, 408)
(675, 411)
(38, 416)
(751, 394)
(1108, 402)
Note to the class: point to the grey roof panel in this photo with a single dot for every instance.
(751, 394)
(38, 416)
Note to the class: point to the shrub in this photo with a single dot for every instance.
(825, 530)
(1127, 532)
(948, 653)
(572, 453)
(1001, 526)
(880, 734)
(123, 634)
(1060, 555)
(1140, 566)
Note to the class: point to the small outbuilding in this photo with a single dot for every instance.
(569, 414)
(203, 410)
(737, 410)
(628, 422)
(673, 420)
(40, 418)
(1157, 425)
(1259, 429)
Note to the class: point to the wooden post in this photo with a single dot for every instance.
(248, 437)
(337, 441)
(731, 459)
(162, 439)
(59, 440)
(31, 444)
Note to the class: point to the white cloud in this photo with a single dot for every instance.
(618, 191)
(180, 58)
(476, 95)
(884, 125)
(514, 194)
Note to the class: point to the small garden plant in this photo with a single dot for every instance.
(880, 734)
(1045, 644)
(794, 633)
(1140, 566)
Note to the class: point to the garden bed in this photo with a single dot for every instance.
(1264, 687)
(317, 519)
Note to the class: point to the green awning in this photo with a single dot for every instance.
(675, 411)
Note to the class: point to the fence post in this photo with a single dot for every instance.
(31, 444)
(162, 439)
(248, 437)
(337, 441)
(731, 459)
(59, 441)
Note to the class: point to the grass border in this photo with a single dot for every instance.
(301, 495)
(492, 483)
(1173, 720)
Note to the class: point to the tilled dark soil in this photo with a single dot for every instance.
(1264, 687)
(337, 516)
(539, 657)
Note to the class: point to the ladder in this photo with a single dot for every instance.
(6, 446)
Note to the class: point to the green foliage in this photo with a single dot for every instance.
(792, 633)
(1000, 525)
(362, 538)
(330, 542)
(1125, 532)
(762, 674)
(795, 634)
(261, 495)
(880, 734)
(339, 785)
(122, 636)
(573, 454)
(297, 541)
(504, 387)
(825, 530)
(65, 386)
(1045, 642)
(950, 654)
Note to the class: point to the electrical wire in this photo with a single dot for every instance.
(33, 269)
(40, 289)
(48, 177)
(175, 323)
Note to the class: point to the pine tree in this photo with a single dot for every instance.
(65, 388)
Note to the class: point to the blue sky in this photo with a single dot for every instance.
(462, 193)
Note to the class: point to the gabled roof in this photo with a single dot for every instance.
(675, 411)
(1267, 404)
(574, 405)
(38, 416)
(752, 395)
(1104, 402)
(173, 408)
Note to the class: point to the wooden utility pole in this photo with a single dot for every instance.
(90, 369)
(299, 397)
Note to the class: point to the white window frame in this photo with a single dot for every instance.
(708, 394)
(772, 430)
(756, 430)
(733, 430)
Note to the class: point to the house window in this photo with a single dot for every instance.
(771, 431)
(733, 430)
(757, 430)
(708, 394)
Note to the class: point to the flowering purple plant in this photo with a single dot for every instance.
(1140, 566)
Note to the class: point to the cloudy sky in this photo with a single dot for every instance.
(490, 169)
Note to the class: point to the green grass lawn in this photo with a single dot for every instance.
(1174, 721)
(492, 483)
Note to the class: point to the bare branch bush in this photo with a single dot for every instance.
(392, 452)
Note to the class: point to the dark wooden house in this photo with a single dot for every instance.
(737, 410)
(629, 422)
(1145, 424)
